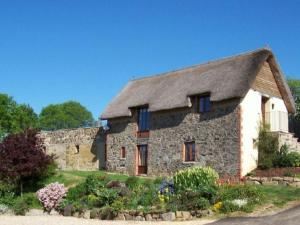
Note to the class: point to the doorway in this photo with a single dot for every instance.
(142, 159)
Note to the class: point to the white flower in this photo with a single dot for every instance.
(240, 202)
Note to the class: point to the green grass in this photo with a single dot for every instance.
(72, 178)
(280, 195)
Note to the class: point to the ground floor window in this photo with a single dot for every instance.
(123, 152)
(189, 151)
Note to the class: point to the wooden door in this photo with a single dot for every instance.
(142, 159)
(263, 108)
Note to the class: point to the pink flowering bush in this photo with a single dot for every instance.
(51, 195)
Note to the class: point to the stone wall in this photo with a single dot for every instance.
(285, 181)
(76, 149)
(122, 133)
(216, 135)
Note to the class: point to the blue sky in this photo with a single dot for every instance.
(58, 50)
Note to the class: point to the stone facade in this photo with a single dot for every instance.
(76, 149)
(216, 135)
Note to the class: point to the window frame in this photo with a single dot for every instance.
(143, 119)
(203, 103)
(189, 151)
(123, 152)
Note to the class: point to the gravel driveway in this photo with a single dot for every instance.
(60, 220)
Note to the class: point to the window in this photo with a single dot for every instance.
(123, 152)
(204, 104)
(77, 149)
(189, 151)
(143, 122)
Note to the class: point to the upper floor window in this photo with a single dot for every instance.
(143, 121)
(204, 104)
(189, 151)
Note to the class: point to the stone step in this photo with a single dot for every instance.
(286, 135)
(290, 140)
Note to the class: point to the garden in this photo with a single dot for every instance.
(30, 180)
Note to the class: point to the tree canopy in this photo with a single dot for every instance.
(15, 117)
(294, 85)
(70, 114)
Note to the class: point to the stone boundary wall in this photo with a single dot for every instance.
(276, 172)
(76, 149)
(285, 181)
(168, 216)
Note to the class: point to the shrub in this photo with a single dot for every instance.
(94, 183)
(228, 206)
(249, 192)
(239, 197)
(20, 207)
(267, 145)
(132, 182)
(106, 196)
(294, 158)
(189, 200)
(124, 191)
(284, 158)
(7, 195)
(3, 208)
(51, 195)
(23, 156)
(118, 204)
(202, 203)
(147, 195)
(76, 192)
(92, 201)
(31, 200)
(195, 178)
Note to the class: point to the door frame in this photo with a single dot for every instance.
(142, 170)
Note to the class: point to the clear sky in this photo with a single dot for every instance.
(84, 50)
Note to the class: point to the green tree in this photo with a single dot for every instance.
(70, 114)
(294, 85)
(14, 117)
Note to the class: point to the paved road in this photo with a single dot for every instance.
(288, 217)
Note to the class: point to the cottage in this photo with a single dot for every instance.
(206, 115)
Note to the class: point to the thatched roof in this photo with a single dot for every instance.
(224, 79)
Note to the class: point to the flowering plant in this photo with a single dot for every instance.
(217, 206)
(51, 195)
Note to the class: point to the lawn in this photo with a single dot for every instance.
(280, 195)
(72, 178)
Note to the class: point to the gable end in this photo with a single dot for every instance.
(265, 82)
